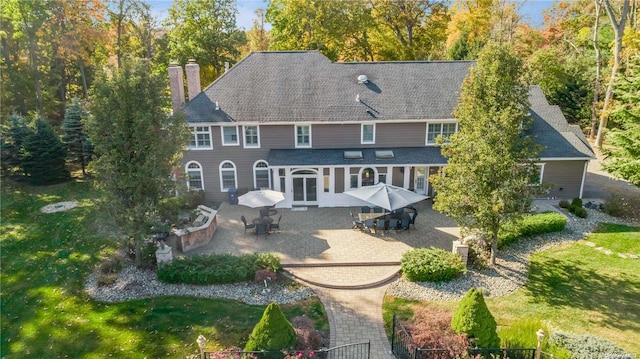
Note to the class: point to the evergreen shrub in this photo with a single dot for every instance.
(531, 225)
(576, 202)
(216, 268)
(473, 318)
(586, 346)
(44, 159)
(579, 211)
(431, 265)
(273, 332)
(564, 204)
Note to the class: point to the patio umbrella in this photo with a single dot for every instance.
(260, 198)
(386, 196)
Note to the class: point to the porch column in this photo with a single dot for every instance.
(407, 176)
(389, 174)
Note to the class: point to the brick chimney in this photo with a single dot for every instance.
(176, 85)
(193, 78)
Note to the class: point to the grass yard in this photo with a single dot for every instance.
(45, 312)
(573, 288)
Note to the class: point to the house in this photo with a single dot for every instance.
(296, 122)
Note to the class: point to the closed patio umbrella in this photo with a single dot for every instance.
(386, 196)
(260, 198)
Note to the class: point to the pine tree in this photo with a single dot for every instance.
(74, 137)
(14, 133)
(273, 331)
(44, 156)
(474, 318)
(490, 159)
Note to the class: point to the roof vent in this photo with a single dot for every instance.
(362, 79)
(217, 106)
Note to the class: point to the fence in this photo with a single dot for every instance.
(347, 351)
(403, 347)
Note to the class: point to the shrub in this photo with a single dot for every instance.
(576, 202)
(473, 318)
(265, 274)
(307, 335)
(564, 204)
(273, 331)
(433, 265)
(108, 268)
(213, 269)
(530, 225)
(268, 261)
(148, 259)
(579, 211)
(431, 328)
(585, 346)
(194, 198)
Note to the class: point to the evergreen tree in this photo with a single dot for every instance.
(14, 133)
(74, 137)
(474, 318)
(273, 331)
(44, 160)
(490, 159)
(137, 144)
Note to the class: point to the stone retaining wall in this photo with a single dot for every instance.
(194, 237)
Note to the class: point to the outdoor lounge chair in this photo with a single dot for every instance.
(246, 226)
(276, 225)
(356, 222)
(380, 226)
(405, 222)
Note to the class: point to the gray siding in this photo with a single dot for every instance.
(565, 178)
(400, 134)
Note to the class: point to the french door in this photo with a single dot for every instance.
(305, 188)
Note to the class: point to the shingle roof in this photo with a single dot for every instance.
(335, 157)
(285, 86)
(551, 130)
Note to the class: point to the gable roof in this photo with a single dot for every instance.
(285, 86)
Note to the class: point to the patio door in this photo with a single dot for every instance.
(420, 180)
(305, 187)
(432, 171)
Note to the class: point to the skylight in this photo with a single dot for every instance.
(384, 154)
(353, 155)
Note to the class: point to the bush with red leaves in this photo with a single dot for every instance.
(265, 274)
(431, 329)
(308, 336)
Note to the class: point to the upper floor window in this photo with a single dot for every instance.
(261, 175)
(251, 136)
(303, 136)
(440, 129)
(194, 175)
(368, 133)
(230, 136)
(201, 138)
(228, 177)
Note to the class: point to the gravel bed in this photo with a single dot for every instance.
(133, 283)
(510, 271)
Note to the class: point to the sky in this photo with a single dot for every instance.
(531, 10)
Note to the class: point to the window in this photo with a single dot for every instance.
(201, 138)
(303, 136)
(327, 182)
(368, 133)
(535, 178)
(227, 176)
(368, 177)
(261, 177)
(382, 178)
(194, 176)
(353, 183)
(229, 135)
(440, 129)
(251, 136)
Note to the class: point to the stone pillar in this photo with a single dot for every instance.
(176, 85)
(193, 79)
(164, 253)
(462, 250)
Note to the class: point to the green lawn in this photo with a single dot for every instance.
(575, 288)
(45, 313)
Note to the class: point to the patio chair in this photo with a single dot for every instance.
(394, 224)
(356, 222)
(365, 209)
(246, 226)
(413, 218)
(381, 226)
(405, 222)
(275, 226)
(264, 212)
(261, 229)
(368, 224)
(377, 209)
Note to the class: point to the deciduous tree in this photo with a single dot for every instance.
(137, 144)
(490, 159)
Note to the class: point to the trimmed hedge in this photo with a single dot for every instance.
(530, 225)
(217, 269)
(431, 265)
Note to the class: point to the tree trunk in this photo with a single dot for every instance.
(83, 75)
(494, 247)
(596, 86)
(618, 29)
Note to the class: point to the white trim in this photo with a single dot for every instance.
(373, 141)
(566, 159)
(441, 123)
(584, 174)
(268, 169)
(195, 133)
(186, 170)
(295, 136)
(375, 174)
(244, 136)
(235, 175)
(222, 136)
(250, 123)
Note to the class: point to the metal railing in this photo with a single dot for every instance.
(347, 351)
